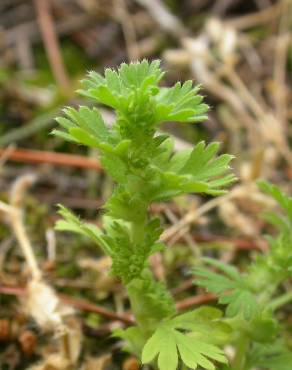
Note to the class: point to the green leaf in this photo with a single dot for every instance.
(83, 137)
(264, 329)
(192, 358)
(181, 103)
(201, 170)
(284, 201)
(152, 347)
(270, 357)
(163, 345)
(117, 86)
(168, 356)
(278, 262)
(180, 337)
(134, 339)
(240, 300)
(129, 207)
(202, 165)
(73, 224)
(145, 169)
(93, 121)
(154, 304)
(116, 167)
(232, 288)
(85, 126)
(179, 160)
(140, 75)
(64, 135)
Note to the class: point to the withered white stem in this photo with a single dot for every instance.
(20, 233)
(51, 244)
(167, 21)
(16, 220)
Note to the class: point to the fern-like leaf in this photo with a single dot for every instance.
(231, 287)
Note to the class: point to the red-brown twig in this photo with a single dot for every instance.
(195, 300)
(77, 303)
(83, 305)
(12, 290)
(58, 159)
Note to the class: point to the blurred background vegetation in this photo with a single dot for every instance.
(239, 50)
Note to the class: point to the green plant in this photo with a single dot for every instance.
(145, 170)
(252, 298)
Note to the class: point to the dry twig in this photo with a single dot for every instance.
(128, 29)
(164, 17)
(51, 42)
(58, 159)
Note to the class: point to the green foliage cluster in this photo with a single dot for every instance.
(145, 169)
(252, 297)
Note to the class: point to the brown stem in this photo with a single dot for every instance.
(59, 159)
(77, 303)
(46, 23)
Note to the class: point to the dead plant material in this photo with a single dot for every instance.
(40, 301)
(43, 9)
(214, 58)
(194, 215)
(57, 159)
(79, 304)
(4, 330)
(166, 20)
(195, 300)
(131, 363)
(257, 18)
(99, 363)
(234, 218)
(129, 31)
(53, 362)
(87, 306)
(28, 342)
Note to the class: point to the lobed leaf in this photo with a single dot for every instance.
(176, 338)
(232, 288)
(284, 201)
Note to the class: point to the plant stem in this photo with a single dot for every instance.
(139, 306)
(280, 301)
(138, 231)
(241, 351)
(136, 289)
